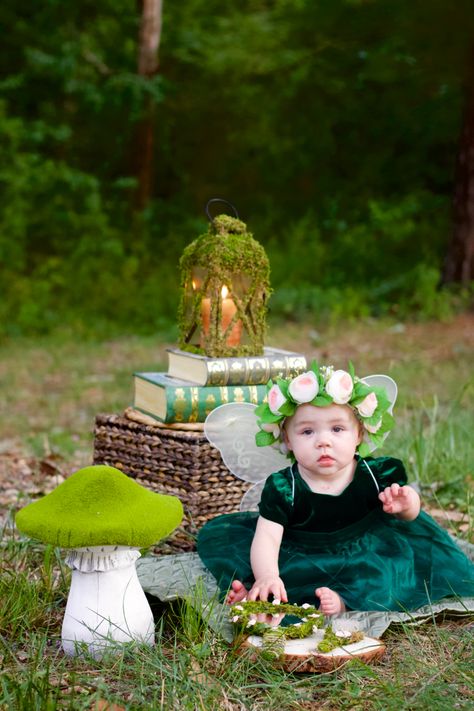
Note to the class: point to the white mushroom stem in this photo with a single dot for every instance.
(106, 603)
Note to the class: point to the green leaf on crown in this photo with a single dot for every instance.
(288, 408)
(364, 449)
(263, 439)
(322, 400)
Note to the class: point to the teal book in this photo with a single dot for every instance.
(171, 399)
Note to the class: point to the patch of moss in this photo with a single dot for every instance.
(99, 505)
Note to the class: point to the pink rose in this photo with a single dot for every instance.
(275, 399)
(304, 387)
(273, 428)
(367, 407)
(340, 387)
(373, 428)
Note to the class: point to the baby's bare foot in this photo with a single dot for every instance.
(237, 593)
(330, 602)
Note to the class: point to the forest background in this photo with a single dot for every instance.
(343, 131)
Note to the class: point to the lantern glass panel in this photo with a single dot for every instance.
(225, 285)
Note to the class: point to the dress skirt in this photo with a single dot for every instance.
(377, 563)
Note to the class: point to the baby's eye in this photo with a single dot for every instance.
(338, 428)
(307, 431)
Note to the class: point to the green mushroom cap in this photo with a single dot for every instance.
(99, 505)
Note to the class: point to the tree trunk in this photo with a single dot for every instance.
(149, 42)
(459, 261)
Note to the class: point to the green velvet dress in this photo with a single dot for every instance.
(345, 542)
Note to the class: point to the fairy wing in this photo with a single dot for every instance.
(390, 387)
(231, 429)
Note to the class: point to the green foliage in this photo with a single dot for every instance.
(335, 137)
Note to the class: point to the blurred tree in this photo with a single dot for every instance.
(459, 261)
(148, 47)
(332, 124)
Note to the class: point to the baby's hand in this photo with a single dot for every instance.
(268, 585)
(402, 501)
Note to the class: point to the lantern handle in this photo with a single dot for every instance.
(211, 219)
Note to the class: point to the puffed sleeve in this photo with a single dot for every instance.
(276, 502)
(387, 471)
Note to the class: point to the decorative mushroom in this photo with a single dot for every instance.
(102, 517)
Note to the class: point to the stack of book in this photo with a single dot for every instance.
(196, 384)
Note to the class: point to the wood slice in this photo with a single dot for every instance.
(302, 655)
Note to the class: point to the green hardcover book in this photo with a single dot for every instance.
(173, 400)
(251, 370)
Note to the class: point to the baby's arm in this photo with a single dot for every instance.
(402, 501)
(264, 559)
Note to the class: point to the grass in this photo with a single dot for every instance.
(52, 390)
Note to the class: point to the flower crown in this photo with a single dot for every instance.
(322, 386)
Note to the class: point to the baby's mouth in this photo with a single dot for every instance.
(325, 459)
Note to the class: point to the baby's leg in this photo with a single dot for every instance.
(330, 603)
(237, 593)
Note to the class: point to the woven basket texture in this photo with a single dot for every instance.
(176, 462)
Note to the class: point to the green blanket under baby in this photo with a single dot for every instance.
(184, 576)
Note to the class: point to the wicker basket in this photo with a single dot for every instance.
(171, 461)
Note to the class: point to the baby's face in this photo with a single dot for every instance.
(323, 439)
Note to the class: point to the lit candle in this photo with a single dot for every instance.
(228, 310)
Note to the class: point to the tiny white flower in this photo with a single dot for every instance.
(326, 371)
(235, 618)
(305, 606)
(298, 624)
(276, 615)
(251, 623)
(238, 607)
(342, 633)
(314, 614)
(276, 601)
(304, 619)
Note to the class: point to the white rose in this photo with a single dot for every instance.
(340, 387)
(275, 399)
(367, 407)
(273, 428)
(304, 387)
(373, 428)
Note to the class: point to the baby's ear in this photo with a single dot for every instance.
(284, 436)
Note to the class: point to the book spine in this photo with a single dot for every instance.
(194, 403)
(253, 371)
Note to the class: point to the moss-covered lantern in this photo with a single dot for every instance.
(225, 283)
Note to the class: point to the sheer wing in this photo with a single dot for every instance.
(251, 498)
(231, 429)
(381, 381)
